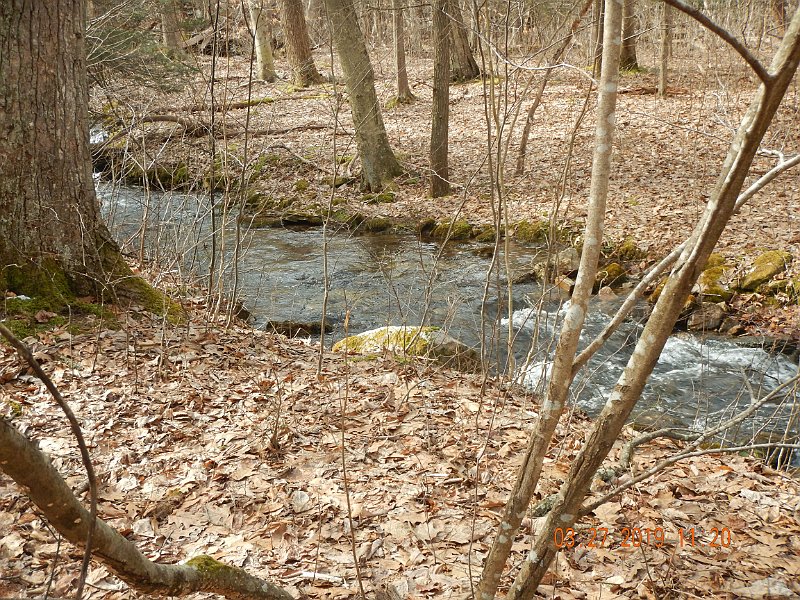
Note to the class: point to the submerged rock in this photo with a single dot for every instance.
(765, 267)
(427, 342)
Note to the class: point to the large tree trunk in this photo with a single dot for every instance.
(627, 59)
(378, 161)
(440, 184)
(171, 19)
(52, 240)
(298, 43)
(462, 61)
(262, 39)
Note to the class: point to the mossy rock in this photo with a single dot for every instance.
(382, 198)
(532, 233)
(765, 267)
(485, 233)
(348, 218)
(338, 181)
(163, 177)
(458, 231)
(262, 220)
(301, 185)
(711, 281)
(426, 226)
(628, 251)
(426, 342)
(301, 219)
(377, 224)
(611, 275)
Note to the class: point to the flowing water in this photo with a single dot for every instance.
(382, 279)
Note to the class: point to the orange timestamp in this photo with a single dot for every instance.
(635, 537)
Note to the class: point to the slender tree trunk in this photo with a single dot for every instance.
(440, 184)
(298, 43)
(665, 49)
(404, 94)
(628, 60)
(560, 378)
(598, 12)
(462, 61)
(52, 239)
(171, 19)
(659, 326)
(262, 38)
(377, 159)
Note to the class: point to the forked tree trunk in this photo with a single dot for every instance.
(298, 43)
(262, 39)
(404, 94)
(627, 59)
(462, 61)
(379, 164)
(698, 248)
(52, 239)
(665, 49)
(440, 184)
(560, 378)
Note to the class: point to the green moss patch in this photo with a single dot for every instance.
(458, 231)
(765, 267)
(532, 233)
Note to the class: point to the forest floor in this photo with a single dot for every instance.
(667, 156)
(224, 441)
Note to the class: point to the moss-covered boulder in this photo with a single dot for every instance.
(426, 342)
(765, 267)
(385, 197)
(628, 251)
(532, 233)
(458, 231)
(485, 233)
(712, 284)
(377, 224)
(611, 275)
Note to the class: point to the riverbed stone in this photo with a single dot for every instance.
(765, 267)
(708, 317)
(427, 342)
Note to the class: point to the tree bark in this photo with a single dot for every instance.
(440, 184)
(262, 39)
(665, 49)
(627, 59)
(462, 61)
(29, 467)
(52, 239)
(561, 377)
(707, 232)
(379, 164)
(298, 43)
(171, 19)
(404, 94)
(598, 12)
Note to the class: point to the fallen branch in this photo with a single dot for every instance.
(30, 468)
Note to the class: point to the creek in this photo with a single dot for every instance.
(395, 279)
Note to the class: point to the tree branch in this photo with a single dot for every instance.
(751, 60)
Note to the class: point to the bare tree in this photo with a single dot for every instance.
(567, 504)
(262, 38)
(404, 94)
(440, 186)
(379, 164)
(298, 43)
(171, 19)
(463, 65)
(628, 59)
(665, 49)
